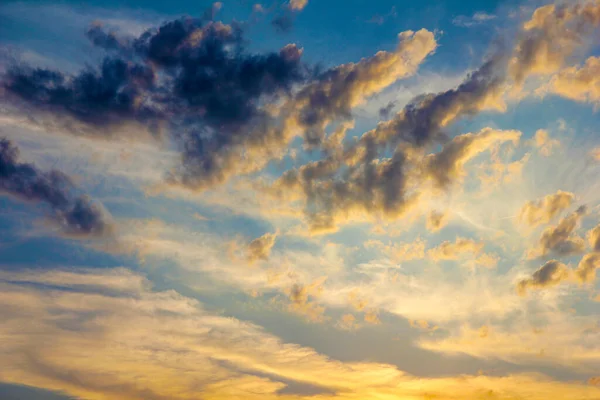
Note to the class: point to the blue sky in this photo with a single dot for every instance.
(388, 199)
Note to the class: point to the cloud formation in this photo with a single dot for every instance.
(550, 274)
(544, 210)
(446, 166)
(586, 269)
(578, 83)
(260, 248)
(194, 78)
(562, 239)
(552, 34)
(76, 215)
(436, 220)
(461, 247)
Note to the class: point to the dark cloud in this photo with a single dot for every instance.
(106, 40)
(76, 215)
(192, 75)
(424, 118)
(111, 95)
(550, 274)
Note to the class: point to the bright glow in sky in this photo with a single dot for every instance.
(301, 199)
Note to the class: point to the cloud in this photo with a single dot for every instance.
(526, 342)
(76, 215)
(300, 303)
(551, 36)
(260, 248)
(446, 166)
(542, 211)
(194, 79)
(578, 83)
(298, 5)
(594, 238)
(348, 322)
(193, 352)
(544, 143)
(436, 220)
(561, 239)
(586, 270)
(550, 274)
(461, 247)
(478, 18)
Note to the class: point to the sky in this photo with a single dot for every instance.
(299, 200)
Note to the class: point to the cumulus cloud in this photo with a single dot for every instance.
(550, 274)
(552, 34)
(76, 215)
(260, 248)
(578, 83)
(594, 238)
(542, 211)
(446, 166)
(356, 183)
(586, 269)
(562, 239)
(194, 79)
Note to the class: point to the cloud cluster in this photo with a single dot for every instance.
(357, 184)
(554, 272)
(76, 215)
(194, 78)
(552, 34)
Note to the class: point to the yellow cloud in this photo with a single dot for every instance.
(578, 83)
(562, 238)
(436, 220)
(551, 36)
(544, 210)
(544, 143)
(461, 247)
(260, 248)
